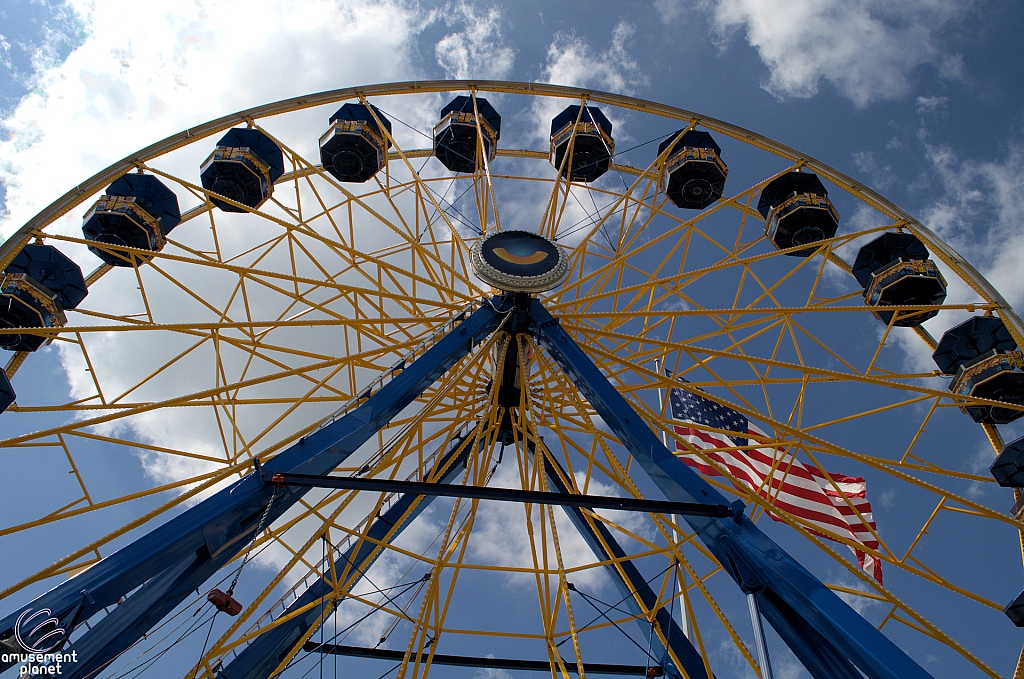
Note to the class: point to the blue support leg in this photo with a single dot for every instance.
(174, 559)
(815, 622)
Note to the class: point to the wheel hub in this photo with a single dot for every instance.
(519, 261)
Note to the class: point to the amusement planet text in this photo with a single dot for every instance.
(40, 664)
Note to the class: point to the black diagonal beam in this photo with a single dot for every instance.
(477, 661)
(628, 504)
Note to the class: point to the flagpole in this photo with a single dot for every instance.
(755, 613)
(762, 646)
(683, 621)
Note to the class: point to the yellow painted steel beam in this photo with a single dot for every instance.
(91, 186)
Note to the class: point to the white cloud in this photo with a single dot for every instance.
(936, 105)
(879, 174)
(727, 653)
(51, 34)
(147, 71)
(571, 61)
(980, 213)
(489, 673)
(500, 535)
(867, 49)
(917, 356)
(478, 51)
(861, 604)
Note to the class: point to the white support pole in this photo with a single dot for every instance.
(684, 623)
(762, 646)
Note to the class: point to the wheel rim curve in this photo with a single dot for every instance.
(870, 197)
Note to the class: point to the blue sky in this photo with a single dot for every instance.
(923, 100)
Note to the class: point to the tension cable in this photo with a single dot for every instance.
(226, 601)
(605, 616)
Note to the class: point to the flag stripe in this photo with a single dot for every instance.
(802, 502)
(789, 485)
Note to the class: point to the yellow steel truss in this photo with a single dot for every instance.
(258, 326)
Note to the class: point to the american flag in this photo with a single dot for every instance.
(799, 489)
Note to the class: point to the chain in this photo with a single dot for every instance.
(259, 529)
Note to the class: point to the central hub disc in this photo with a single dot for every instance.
(519, 261)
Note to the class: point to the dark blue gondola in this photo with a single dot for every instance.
(242, 168)
(694, 175)
(7, 394)
(587, 133)
(355, 147)
(455, 138)
(894, 270)
(984, 360)
(797, 212)
(137, 211)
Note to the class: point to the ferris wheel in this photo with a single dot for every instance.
(468, 376)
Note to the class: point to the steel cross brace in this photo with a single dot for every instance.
(565, 499)
(828, 636)
(261, 657)
(628, 580)
(173, 560)
(481, 662)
